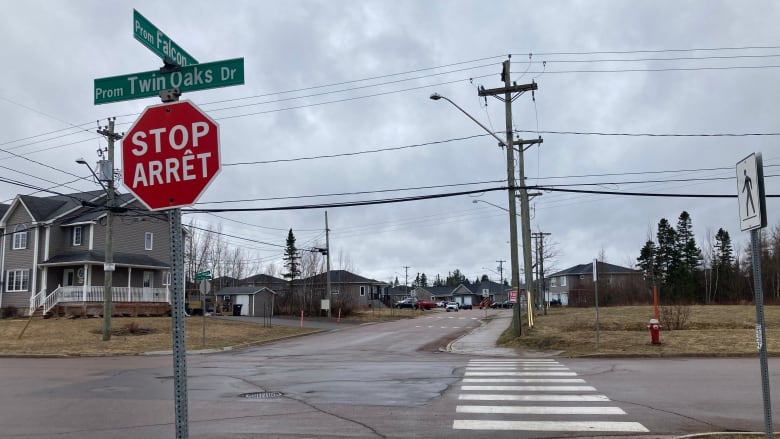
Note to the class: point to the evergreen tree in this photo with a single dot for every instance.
(485, 278)
(723, 264)
(681, 278)
(689, 253)
(395, 284)
(423, 280)
(646, 259)
(291, 259)
(666, 252)
(456, 278)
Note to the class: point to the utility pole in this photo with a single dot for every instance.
(406, 279)
(507, 92)
(540, 267)
(329, 294)
(501, 274)
(108, 266)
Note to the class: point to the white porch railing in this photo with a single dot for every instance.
(95, 294)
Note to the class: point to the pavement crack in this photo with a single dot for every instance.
(690, 418)
(344, 418)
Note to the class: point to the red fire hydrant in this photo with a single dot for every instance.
(655, 331)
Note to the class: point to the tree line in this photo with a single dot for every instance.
(715, 272)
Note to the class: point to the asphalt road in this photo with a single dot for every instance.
(379, 380)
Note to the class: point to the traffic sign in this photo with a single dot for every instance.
(203, 275)
(191, 78)
(159, 43)
(170, 155)
(750, 193)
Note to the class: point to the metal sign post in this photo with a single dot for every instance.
(596, 285)
(752, 216)
(179, 337)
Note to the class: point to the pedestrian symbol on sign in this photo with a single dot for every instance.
(747, 187)
(750, 193)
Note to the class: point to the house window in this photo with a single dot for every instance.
(77, 235)
(166, 278)
(563, 281)
(149, 240)
(20, 237)
(362, 290)
(18, 280)
(554, 282)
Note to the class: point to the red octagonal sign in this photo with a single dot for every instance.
(170, 155)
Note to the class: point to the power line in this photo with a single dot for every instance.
(351, 193)
(597, 133)
(615, 52)
(681, 58)
(348, 154)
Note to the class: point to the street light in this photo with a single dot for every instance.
(108, 266)
(436, 97)
(510, 178)
(494, 205)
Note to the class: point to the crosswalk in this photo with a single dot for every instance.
(534, 395)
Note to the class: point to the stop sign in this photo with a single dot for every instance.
(170, 155)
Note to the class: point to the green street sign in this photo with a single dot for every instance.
(159, 43)
(191, 78)
(203, 275)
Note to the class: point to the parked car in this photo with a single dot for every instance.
(451, 306)
(424, 304)
(465, 306)
(441, 304)
(406, 303)
(504, 304)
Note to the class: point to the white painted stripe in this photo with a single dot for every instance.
(528, 388)
(513, 361)
(520, 374)
(524, 380)
(547, 398)
(516, 368)
(633, 427)
(538, 410)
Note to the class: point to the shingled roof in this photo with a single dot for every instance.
(604, 267)
(95, 256)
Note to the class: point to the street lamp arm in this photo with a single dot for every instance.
(81, 161)
(437, 96)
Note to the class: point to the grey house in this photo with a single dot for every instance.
(474, 294)
(346, 287)
(53, 255)
(575, 286)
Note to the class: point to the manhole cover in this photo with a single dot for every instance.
(261, 395)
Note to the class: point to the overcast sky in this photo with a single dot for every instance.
(351, 80)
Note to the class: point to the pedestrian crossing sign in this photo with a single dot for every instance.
(750, 193)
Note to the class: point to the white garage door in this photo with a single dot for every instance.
(243, 299)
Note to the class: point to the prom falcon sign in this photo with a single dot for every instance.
(170, 155)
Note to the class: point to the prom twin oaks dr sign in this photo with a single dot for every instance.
(170, 155)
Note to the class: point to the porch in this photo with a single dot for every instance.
(88, 301)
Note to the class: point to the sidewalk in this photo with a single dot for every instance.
(482, 341)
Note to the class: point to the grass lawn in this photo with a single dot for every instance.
(131, 335)
(716, 330)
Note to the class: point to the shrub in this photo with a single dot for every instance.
(9, 312)
(675, 316)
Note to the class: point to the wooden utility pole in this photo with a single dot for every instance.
(539, 236)
(108, 266)
(507, 92)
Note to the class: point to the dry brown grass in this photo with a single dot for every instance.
(84, 336)
(386, 314)
(718, 330)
